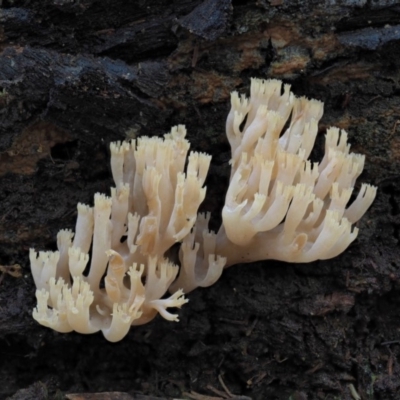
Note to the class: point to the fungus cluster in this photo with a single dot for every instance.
(278, 205)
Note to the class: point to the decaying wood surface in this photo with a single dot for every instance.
(77, 74)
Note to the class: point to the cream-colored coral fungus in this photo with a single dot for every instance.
(153, 206)
(279, 205)
(287, 207)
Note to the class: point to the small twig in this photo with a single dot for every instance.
(232, 321)
(13, 270)
(218, 392)
(374, 98)
(195, 56)
(279, 360)
(229, 393)
(252, 326)
(390, 342)
(314, 369)
(256, 379)
(353, 392)
(197, 396)
(390, 365)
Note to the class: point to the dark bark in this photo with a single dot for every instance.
(75, 75)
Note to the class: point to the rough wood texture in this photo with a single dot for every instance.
(75, 75)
